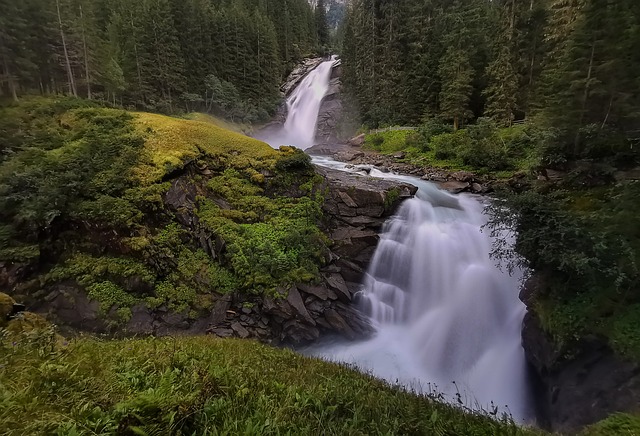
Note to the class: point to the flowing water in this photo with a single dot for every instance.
(447, 319)
(303, 106)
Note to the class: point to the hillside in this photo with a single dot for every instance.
(146, 212)
(204, 385)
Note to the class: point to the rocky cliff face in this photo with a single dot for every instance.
(579, 388)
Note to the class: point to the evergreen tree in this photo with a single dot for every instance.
(322, 29)
(456, 76)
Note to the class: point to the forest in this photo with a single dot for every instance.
(568, 64)
(225, 57)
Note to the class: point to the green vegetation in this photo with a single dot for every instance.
(585, 247)
(83, 201)
(482, 147)
(222, 57)
(203, 385)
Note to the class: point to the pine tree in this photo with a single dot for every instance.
(322, 29)
(456, 75)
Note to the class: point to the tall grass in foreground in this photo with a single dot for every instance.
(207, 386)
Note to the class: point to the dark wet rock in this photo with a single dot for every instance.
(581, 387)
(339, 324)
(141, 322)
(295, 300)
(240, 330)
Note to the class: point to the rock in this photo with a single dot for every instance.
(463, 176)
(554, 175)
(240, 330)
(455, 187)
(339, 324)
(180, 199)
(295, 300)
(478, 188)
(357, 141)
(336, 283)
(321, 292)
(629, 175)
(220, 308)
(399, 155)
(246, 310)
(141, 322)
(222, 332)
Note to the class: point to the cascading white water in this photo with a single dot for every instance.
(446, 317)
(303, 106)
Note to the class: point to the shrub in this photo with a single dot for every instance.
(447, 145)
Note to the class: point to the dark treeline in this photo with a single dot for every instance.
(568, 63)
(220, 55)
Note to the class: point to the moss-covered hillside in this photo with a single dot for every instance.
(143, 209)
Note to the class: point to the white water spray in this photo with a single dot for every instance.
(447, 318)
(303, 107)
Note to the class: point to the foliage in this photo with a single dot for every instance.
(227, 58)
(568, 67)
(87, 207)
(586, 248)
(204, 385)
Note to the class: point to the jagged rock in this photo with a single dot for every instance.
(295, 300)
(337, 284)
(240, 330)
(463, 176)
(319, 291)
(339, 324)
(222, 332)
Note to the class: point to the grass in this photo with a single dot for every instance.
(207, 386)
(172, 142)
(222, 123)
(482, 149)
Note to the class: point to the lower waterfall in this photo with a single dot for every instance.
(448, 320)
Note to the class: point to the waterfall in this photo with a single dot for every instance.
(447, 318)
(303, 107)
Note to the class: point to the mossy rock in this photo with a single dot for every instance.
(26, 322)
(6, 307)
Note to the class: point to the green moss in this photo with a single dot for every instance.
(109, 294)
(203, 385)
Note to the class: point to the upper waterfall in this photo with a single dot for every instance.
(303, 107)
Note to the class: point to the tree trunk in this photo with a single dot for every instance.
(10, 81)
(135, 52)
(72, 83)
(86, 56)
(456, 123)
(585, 97)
